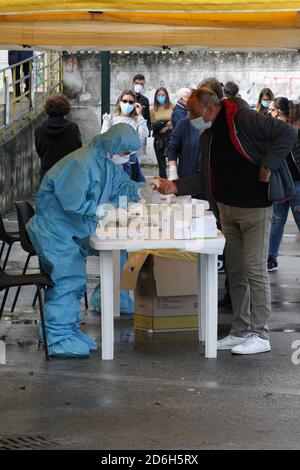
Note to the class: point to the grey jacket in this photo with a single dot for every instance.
(259, 139)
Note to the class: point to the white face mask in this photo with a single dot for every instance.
(200, 124)
(138, 88)
(120, 159)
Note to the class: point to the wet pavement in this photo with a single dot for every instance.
(160, 392)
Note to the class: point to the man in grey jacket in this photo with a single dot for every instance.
(243, 171)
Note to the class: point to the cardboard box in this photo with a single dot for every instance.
(165, 292)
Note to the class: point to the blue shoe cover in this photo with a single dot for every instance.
(91, 344)
(95, 302)
(69, 347)
(126, 302)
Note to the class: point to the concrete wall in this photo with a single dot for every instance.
(252, 72)
(19, 167)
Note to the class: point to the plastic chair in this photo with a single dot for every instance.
(41, 281)
(8, 238)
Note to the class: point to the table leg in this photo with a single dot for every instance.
(202, 267)
(107, 304)
(116, 281)
(212, 307)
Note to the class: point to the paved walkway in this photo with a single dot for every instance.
(160, 392)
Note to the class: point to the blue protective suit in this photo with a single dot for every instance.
(133, 169)
(65, 218)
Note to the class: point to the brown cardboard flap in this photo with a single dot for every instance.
(130, 274)
(165, 277)
(174, 277)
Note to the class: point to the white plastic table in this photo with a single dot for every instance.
(207, 249)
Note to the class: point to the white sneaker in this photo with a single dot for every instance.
(229, 342)
(253, 345)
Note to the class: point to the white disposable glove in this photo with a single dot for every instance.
(173, 175)
(145, 193)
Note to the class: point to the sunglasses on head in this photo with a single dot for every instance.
(128, 101)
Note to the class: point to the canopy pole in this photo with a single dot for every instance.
(105, 82)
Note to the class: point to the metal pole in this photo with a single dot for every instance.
(32, 90)
(6, 88)
(105, 82)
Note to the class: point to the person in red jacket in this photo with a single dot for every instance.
(239, 149)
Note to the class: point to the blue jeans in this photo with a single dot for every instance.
(280, 214)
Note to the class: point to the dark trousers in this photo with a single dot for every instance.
(18, 75)
(161, 155)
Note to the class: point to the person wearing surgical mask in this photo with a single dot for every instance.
(128, 111)
(67, 212)
(264, 100)
(161, 119)
(138, 86)
(241, 151)
(131, 166)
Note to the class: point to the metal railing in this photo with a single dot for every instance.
(24, 88)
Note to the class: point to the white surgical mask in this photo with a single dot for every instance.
(120, 159)
(200, 124)
(138, 88)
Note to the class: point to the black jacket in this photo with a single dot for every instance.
(14, 57)
(144, 102)
(259, 139)
(295, 153)
(54, 139)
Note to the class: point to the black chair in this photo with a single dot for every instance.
(41, 281)
(8, 238)
(24, 213)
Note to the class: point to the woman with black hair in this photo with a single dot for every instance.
(285, 110)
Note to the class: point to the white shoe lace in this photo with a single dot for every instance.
(251, 337)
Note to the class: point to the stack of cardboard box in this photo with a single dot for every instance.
(165, 292)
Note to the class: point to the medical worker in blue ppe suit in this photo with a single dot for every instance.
(66, 208)
(133, 169)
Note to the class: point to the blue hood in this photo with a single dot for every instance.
(119, 138)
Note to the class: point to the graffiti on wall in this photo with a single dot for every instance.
(283, 85)
(82, 78)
